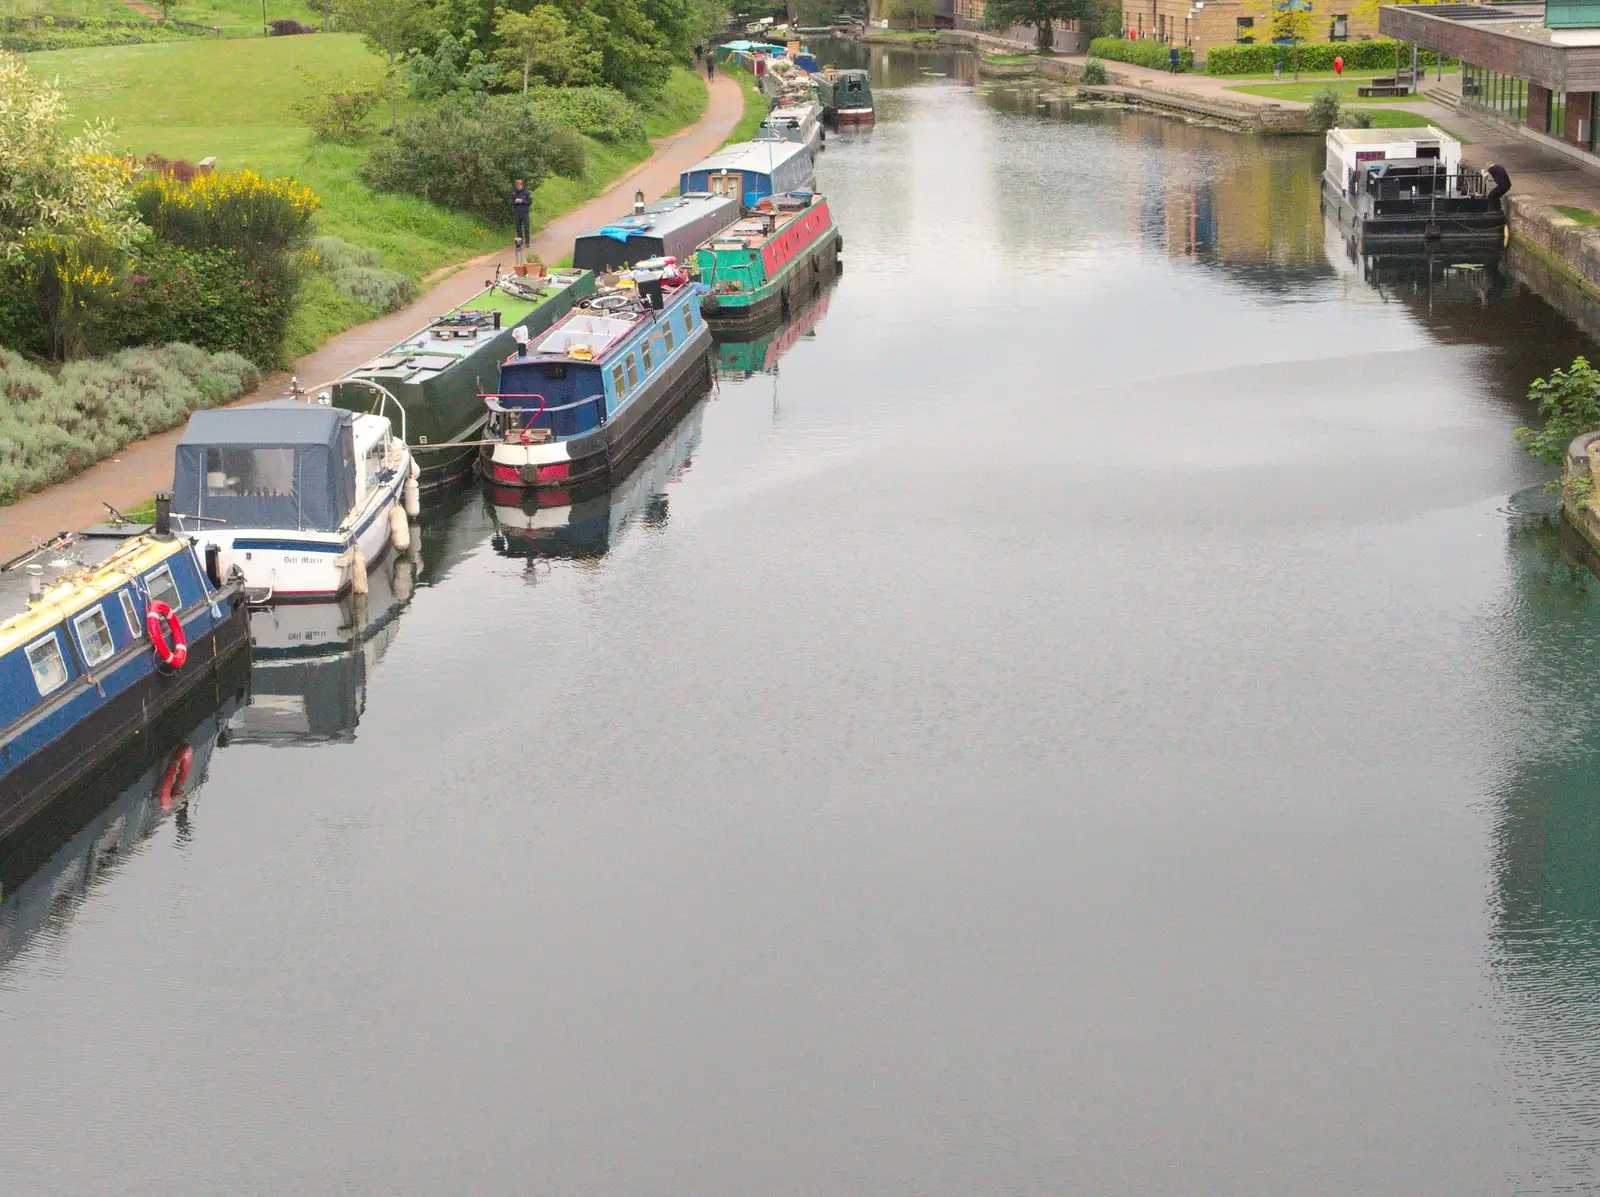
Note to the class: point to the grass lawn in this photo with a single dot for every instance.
(756, 105)
(1579, 215)
(230, 99)
(1304, 91)
(1393, 118)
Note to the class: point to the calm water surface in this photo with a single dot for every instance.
(1096, 716)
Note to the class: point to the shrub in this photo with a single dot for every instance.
(1569, 401)
(236, 209)
(26, 35)
(599, 112)
(52, 428)
(1094, 73)
(335, 254)
(467, 154)
(1324, 109)
(183, 172)
(1355, 118)
(1155, 55)
(382, 290)
(1377, 54)
(287, 27)
(336, 111)
(215, 299)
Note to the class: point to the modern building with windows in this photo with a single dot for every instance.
(1531, 68)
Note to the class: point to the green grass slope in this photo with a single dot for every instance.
(231, 99)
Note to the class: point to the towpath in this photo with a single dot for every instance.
(144, 467)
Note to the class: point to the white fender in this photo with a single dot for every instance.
(358, 570)
(413, 492)
(399, 529)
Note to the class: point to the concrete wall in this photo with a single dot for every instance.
(1572, 248)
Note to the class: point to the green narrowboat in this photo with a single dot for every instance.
(439, 372)
(845, 96)
(769, 263)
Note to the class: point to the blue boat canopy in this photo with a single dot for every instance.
(284, 464)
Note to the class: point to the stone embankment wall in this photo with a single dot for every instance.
(1561, 242)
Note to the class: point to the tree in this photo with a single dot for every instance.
(914, 11)
(388, 27)
(1041, 14)
(1569, 401)
(543, 41)
(636, 52)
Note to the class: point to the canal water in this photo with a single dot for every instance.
(1095, 707)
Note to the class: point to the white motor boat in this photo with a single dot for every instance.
(299, 498)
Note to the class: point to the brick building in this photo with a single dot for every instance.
(1201, 24)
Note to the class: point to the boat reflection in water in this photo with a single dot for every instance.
(760, 355)
(588, 521)
(312, 661)
(51, 863)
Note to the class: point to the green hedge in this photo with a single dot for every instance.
(1155, 55)
(1377, 54)
(217, 299)
(25, 35)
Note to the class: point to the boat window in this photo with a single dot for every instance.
(158, 584)
(617, 380)
(666, 333)
(633, 372)
(258, 473)
(49, 669)
(135, 628)
(647, 357)
(94, 635)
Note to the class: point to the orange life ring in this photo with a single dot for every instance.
(177, 653)
(177, 775)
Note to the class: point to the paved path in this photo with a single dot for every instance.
(144, 467)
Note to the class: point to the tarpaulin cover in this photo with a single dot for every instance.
(283, 465)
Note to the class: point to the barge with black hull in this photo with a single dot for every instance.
(110, 632)
(769, 264)
(584, 400)
(1392, 188)
(437, 372)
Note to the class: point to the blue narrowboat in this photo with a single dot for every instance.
(584, 399)
(90, 654)
(751, 170)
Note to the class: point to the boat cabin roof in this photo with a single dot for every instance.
(665, 217)
(75, 575)
(754, 230)
(763, 157)
(279, 422)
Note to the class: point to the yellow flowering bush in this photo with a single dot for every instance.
(228, 209)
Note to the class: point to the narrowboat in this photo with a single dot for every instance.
(302, 499)
(787, 80)
(1393, 187)
(437, 372)
(108, 632)
(585, 398)
(845, 96)
(769, 263)
(586, 522)
(669, 228)
(752, 170)
(75, 844)
(798, 121)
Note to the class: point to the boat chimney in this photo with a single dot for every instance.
(638, 203)
(164, 514)
(35, 583)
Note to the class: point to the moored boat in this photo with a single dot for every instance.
(845, 96)
(799, 121)
(770, 262)
(669, 228)
(299, 498)
(588, 521)
(1396, 187)
(437, 371)
(109, 633)
(585, 398)
(751, 170)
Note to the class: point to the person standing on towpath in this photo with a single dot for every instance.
(521, 204)
(711, 67)
(1172, 58)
